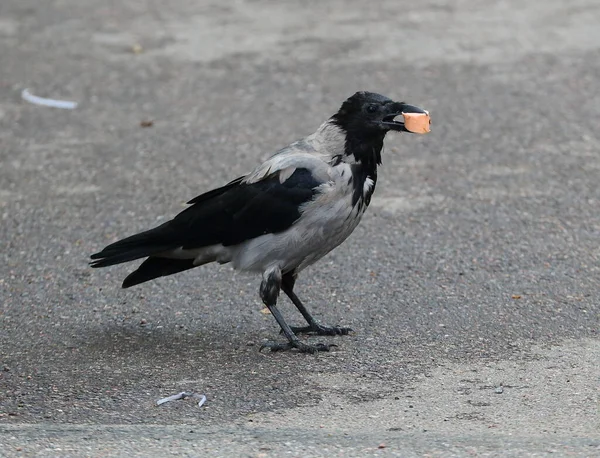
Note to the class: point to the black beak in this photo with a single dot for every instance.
(401, 109)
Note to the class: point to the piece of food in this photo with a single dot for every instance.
(417, 123)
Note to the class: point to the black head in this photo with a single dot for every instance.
(368, 113)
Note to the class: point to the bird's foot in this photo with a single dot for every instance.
(302, 347)
(320, 330)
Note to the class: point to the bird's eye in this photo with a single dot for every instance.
(371, 108)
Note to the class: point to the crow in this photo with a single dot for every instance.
(280, 218)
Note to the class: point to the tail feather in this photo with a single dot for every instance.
(135, 247)
(153, 268)
(130, 255)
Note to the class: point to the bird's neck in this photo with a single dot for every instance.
(330, 140)
(364, 151)
(361, 151)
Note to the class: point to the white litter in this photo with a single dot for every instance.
(64, 104)
(183, 395)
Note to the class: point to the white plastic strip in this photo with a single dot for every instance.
(183, 395)
(64, 104)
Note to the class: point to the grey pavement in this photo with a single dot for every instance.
(472, 282)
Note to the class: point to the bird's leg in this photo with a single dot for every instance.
(269, 290)
(314, 327)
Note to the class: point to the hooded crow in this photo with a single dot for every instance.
(280, 218)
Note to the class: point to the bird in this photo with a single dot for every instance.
(280, 218)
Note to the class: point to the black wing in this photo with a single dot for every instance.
(245, 211)
(228, 215)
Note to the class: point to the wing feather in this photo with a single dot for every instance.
(245, 210)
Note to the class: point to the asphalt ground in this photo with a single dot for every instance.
(472, 282)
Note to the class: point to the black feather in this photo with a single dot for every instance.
(245, 211)
(134, 247)
(360, 173)
(153, 268)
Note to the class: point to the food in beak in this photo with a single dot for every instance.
(417, 123)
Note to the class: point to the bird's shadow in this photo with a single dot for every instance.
(155, 345)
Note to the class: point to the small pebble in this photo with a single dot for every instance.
(499, 390)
